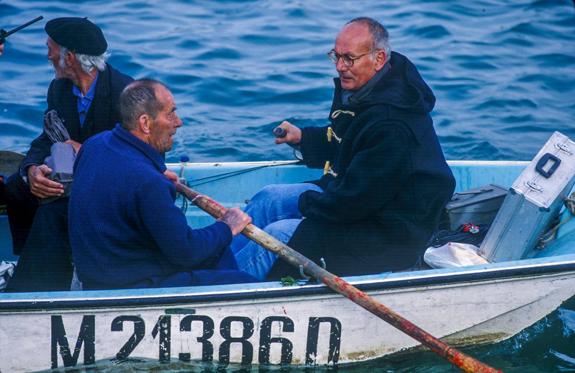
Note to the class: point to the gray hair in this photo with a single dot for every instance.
(137, 99)
(378, 33)
(88, 63)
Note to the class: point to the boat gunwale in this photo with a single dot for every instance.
(300, 164)
(74, 300)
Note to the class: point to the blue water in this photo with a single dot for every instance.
(503, 73)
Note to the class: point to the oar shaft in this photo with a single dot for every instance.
(456, 357)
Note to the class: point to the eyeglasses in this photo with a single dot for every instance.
(347, 59)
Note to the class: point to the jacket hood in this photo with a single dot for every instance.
(401, 87)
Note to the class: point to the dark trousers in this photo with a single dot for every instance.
(45, 262)
(21, 206)
(2, 194)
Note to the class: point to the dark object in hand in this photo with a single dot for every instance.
(280, 132)
(4, 34)
(54, 127)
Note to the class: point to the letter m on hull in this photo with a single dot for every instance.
(86, 337)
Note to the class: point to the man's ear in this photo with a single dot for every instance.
(144, 122)
(69, 58)
(380, 59)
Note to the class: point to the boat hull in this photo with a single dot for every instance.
(268, 324)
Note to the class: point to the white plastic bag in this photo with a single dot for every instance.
(452, 255)
(6, 272)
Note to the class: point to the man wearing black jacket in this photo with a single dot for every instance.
(385, 177)
(85, 95)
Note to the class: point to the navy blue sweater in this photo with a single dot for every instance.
(125, 230)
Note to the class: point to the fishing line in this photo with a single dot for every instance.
(225, 175)
(222, 176)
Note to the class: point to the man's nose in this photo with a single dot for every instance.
(340, 66)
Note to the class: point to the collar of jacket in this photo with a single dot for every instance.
(355, 97)
(102, 88)
(97, 113)
(103, 84)
(152, 154)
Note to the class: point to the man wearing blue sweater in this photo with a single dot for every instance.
(125, 230)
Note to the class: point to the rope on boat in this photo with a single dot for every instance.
(184, 206)
(551, 234)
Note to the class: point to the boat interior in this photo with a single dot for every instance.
(232, 184)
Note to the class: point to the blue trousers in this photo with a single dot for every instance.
(275, 210)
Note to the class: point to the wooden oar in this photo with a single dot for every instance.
(454, 356)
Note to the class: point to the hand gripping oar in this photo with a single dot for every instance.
(454, 356)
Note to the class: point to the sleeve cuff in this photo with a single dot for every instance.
(225, 232)
(23, 171)
(302, 203)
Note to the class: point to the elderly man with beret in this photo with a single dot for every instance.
(85, 95)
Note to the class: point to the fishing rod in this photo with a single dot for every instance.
(4, 34)
(278, 132)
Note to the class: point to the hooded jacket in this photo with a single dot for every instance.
(386, 179)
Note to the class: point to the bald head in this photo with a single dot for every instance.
(137, 99)
(379, 34)
(148, 111)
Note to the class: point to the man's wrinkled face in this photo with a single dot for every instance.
(166, 123)
(58, 63)
(355, 40)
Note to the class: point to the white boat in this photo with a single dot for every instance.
(261, 323)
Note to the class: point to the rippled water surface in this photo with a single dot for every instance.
(503, 73)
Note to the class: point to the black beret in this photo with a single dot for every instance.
(78, 35)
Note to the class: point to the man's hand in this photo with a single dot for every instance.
(172, 176)
(293, 134)
(40, 185)
(75, 144)
(236, 219)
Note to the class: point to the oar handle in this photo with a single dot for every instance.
(456, 357)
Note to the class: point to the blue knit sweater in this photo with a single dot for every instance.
(125, 230)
